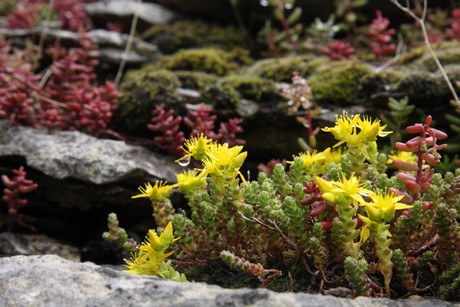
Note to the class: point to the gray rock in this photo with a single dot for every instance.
(148, 12)
(111, 44)
(72, 154)
(12, 244)
(115, 56)
(53, 281)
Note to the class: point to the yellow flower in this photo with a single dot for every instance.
(196, 147)
(157, 193)
(189, 180)
(405, 156)
(334, 191)
(162, 242)
(149, 260)
(383, 206)
(351, 188)
(222, 160)
(365, 229)
(371, 130)
(315, 162)
(334, 155)
(356, 131)
(345, 130)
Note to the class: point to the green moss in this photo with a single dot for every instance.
(424, 89)
(338, 83)
(195, 80)
(449, 284)
(253, 88)
(218, 273)
(281, 69)
(377, 87)
(221, 97)
(412, 55)
(209, 60)
(193, 34)
(142, 90)
(448, 56)
(453, 72)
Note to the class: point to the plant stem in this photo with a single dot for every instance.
(127, 48)
(421, 21)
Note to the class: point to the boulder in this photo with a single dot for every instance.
(117, 10)
(72, 154)
(12, 244)
(53, 281)
(81, 179)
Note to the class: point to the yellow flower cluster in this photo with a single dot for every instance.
(346, 190)
(316, 163)
(156, 193)
(355, 131)
(361, 133)
(217, 159)
(381, 209)
(150, 259)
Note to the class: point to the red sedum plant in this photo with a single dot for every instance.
(13, 192)
(380, 36)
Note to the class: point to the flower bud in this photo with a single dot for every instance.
(329, 197)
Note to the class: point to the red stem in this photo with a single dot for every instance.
(286, 27)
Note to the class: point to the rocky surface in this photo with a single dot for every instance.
(72, 154)
(53, 281)
(150, 13)
(111, 44)
(12, 244)
(81, 179)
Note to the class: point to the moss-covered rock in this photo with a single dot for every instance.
(337, 83)
(448, 52)
(196, 80)
(281, 69)
(208, 60)
(445, 56)
(253, 88)
(425, 90)
(143, 89)
(193, 34)
(376, 88)
(221, 97)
